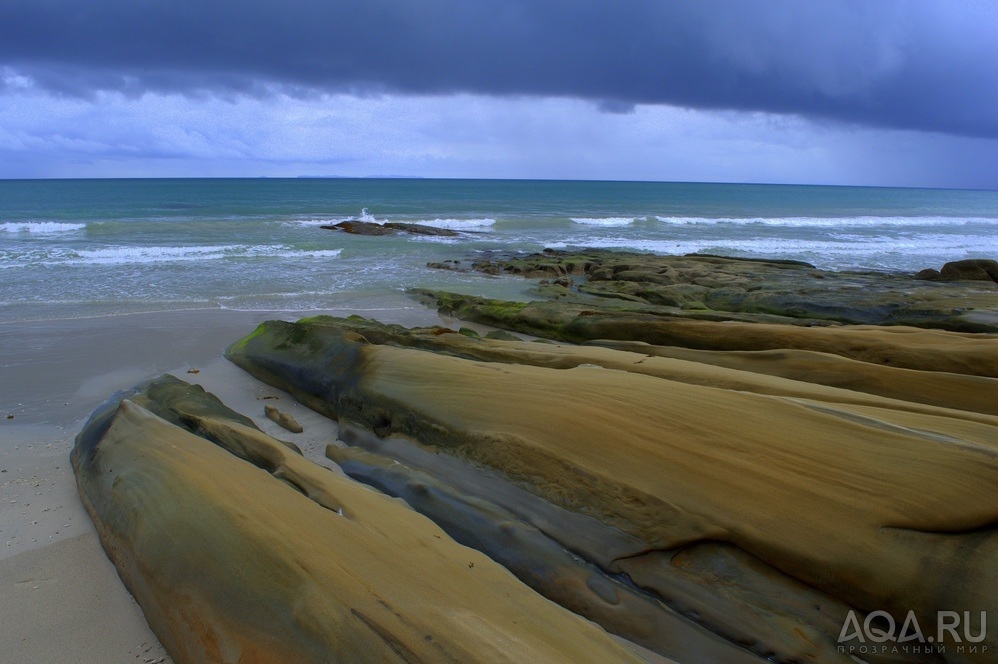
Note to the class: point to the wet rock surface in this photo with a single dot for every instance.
(388, 228)
(713, 288)
(973, 270)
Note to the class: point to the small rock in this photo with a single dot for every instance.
(283, 419)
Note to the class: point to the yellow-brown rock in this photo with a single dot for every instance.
(267, 557)
(879, 503)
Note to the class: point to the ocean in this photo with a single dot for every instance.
(84, 248)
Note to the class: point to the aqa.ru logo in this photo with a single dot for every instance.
(879, 633)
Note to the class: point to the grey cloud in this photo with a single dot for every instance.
(909, 64)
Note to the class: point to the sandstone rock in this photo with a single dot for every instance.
(911, 348)
(284, 420)
(742, 498)
(239, 549)
(542, 562)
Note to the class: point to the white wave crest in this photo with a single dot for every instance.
(332, 220)
(605, 221)
(457, 224)
(40, 227)
(881, 251)
(316, 222)
(823, 222)
(129, 255)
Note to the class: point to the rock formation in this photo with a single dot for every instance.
(740, 456)
(282, 419)
(971, 269)
(701, 287)
(760, 507)
(388, 228)
(240, 550)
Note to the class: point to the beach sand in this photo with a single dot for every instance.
(60, 597)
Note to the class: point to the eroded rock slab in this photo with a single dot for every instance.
(747, 501)
(899, 346)
(239, 549)
(282, 419)
(708, 287)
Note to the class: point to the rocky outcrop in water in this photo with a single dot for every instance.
(388, 228)
(702, 287)
(743, 513)
(972, 270)
(240, 550)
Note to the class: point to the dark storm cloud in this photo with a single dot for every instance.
(905, 64)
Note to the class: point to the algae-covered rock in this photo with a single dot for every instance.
(240, 550)
(974, 269)
(897, 346)
(749, 492)
(759, 290)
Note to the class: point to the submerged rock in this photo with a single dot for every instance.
(766, 507)
(239, 549)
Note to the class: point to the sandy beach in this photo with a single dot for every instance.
(60, 596)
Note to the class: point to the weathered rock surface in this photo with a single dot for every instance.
(715, 288)
(973, 270)
(538, 559)
(761, 507)
(388, 228)
(282, 419)
(898, 346)
(240, 550)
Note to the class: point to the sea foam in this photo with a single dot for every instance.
(457, 224)
(822, 222)
(605, 221)
(129, 255)
(40, 227)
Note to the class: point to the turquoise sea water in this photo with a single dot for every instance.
(72, 248)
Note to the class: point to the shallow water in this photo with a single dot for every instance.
(74, 248)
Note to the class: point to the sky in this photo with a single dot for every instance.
(852, 92)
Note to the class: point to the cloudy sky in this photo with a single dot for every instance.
(874, 92)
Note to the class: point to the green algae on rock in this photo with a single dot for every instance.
(759, 290)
